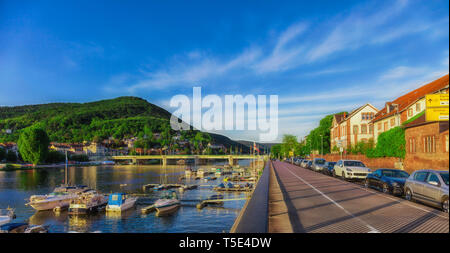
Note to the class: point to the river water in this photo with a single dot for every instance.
(17, 186)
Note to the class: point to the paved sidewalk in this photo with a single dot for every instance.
(321, 204)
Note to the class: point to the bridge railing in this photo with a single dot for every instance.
(254, 216)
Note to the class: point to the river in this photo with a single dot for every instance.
(17, 186)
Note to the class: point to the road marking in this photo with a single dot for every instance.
(387, 197)
(372, 229)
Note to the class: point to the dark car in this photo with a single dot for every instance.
(309, 164)
(387, 180)
(328, 168)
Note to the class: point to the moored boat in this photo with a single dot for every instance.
(119, 202)
(88, 202)
(167, 204)
(59, 198)
(6, 215)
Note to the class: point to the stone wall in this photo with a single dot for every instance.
(383, 162)
(437, 160)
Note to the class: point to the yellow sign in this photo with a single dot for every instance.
(436, 100)
(436, 114)
(291, 153)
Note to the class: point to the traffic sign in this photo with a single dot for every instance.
(436, 114)
(436, 107)
(436, 100)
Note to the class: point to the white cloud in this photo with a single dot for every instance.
(358, 29)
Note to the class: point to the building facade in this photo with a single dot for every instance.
(352, 128)
(404, 108)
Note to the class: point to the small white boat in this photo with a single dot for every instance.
(167, 205)
(6, 215)
(119, 202)
(59, 198)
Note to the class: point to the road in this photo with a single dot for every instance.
(317, 203)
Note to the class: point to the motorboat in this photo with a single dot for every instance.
(6, 215)
(21, 227)
(87, 202)
(60, 198)
(167, 204)
(119, 202)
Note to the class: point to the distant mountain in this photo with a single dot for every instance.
(122, 117)
(261, 146)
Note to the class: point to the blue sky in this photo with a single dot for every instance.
(319, 57)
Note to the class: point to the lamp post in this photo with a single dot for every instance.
(321, 145)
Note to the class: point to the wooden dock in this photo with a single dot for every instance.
(204, 203)
(234, 189)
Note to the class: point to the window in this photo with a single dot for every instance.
(418, 107)
(433, 178)
(412, 145)
(420, 176)
(363, 129)
(370, 129)
(385, 126)
(446, 143)
(355, 129)
(429, 144)
(393, 122)
(410, 112)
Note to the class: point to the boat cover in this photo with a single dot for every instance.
(116, 199)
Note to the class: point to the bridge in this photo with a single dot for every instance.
(164, 158)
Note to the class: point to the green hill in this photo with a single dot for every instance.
(121, 118)
(74, 122)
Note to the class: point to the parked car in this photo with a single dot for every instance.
(317, 164)
(308, 165)
(351, 169)
(304, 163)
(328, 168)
(428, 186)
(387, 180)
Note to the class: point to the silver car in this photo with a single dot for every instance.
(428, 186)
(317, 164)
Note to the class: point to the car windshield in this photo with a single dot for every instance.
(320, 161)
(444, 176)
(331, 163)
(354, 163)
(395, 173)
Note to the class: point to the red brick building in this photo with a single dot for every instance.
(407, 106)
(426, 145)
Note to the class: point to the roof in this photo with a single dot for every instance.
(406, 100)
(360, 108)
(339, 117)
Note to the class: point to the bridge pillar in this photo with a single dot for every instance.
(196, 160)
(134, 161)
(164, 161)
(230, 160)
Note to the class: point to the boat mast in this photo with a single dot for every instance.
(65, 171)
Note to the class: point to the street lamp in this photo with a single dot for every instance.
(321, 145)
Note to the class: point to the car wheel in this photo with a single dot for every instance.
(385, 188)
(343, 175)
(366, 183)
(334, 173)
(445, 205)
(408, 194)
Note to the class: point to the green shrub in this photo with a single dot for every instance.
(390, 144)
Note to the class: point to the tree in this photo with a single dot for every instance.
(33, 145)
(2, 153)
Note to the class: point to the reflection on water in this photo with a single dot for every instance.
(17, 186)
